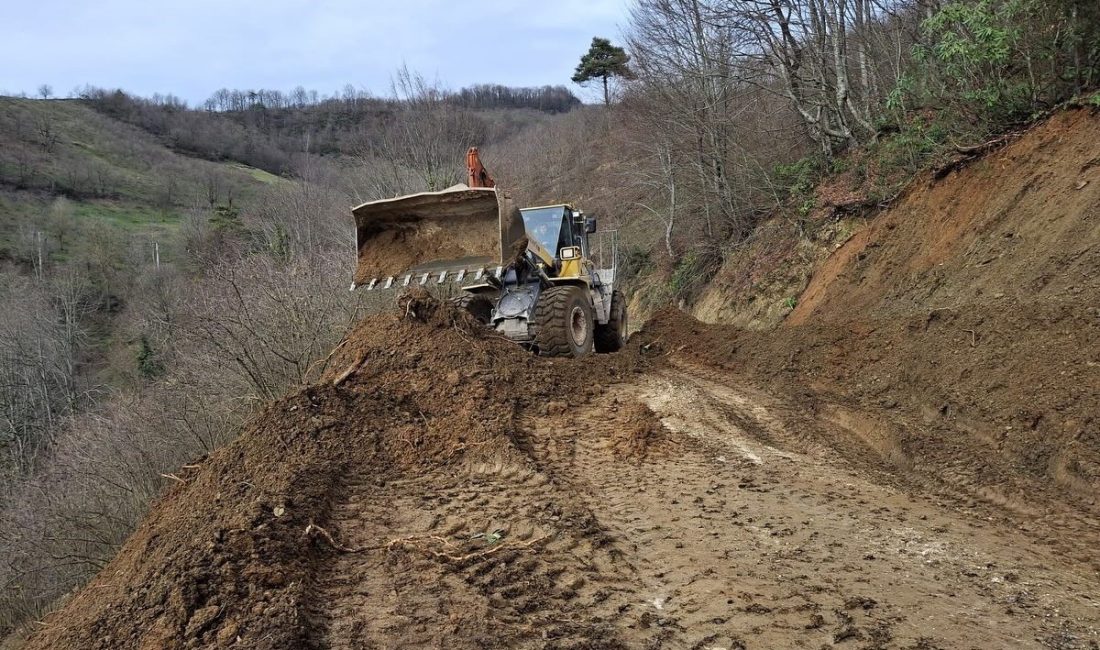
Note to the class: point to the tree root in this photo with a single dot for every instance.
(416, 542)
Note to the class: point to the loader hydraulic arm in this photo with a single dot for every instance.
(476, 175)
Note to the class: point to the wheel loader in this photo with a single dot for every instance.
(541, 276)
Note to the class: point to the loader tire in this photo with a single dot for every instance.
(564, 323)
(612, 336)
(477, 305)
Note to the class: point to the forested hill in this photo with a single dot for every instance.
(145, 165)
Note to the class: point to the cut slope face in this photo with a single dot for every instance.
(962, 325)
(1020, 225)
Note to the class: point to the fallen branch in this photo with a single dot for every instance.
(324, 362)
(342, 377)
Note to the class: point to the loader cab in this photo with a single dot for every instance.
(558, 226)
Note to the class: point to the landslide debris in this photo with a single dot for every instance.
(230, 555)
(957, 334)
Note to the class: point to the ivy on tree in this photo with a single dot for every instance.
(602, 61)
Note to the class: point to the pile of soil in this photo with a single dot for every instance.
(231, 553)
(395, 251)
(639, 432)
(958, 335)
(469, 227)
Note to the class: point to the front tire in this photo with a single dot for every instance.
(477, 305)
(565, 323)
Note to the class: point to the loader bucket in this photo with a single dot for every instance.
(457, 228)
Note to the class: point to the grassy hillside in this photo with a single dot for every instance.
(61, 161)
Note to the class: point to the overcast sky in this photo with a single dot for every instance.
(191, 48)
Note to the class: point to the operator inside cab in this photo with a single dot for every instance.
(551, 228)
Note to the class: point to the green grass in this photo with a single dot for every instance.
(80, 226)
(258, 174)
(94, 157)
(129, 217)
(118, 182)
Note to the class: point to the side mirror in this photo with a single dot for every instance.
(589, 225)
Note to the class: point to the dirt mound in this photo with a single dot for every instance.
(640, 433)
(231, 554)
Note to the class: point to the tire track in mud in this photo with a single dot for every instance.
(752, 530)
(479, 557)
(749, 524)
(875, 444)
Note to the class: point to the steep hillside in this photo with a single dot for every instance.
(1016, 228)
(110, 173)
(961, 325)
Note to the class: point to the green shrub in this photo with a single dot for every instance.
(693, 272)
(798, 180)
(994, 63)
(636, 261)
(148, 364)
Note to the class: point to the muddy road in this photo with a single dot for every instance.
(442, 488)
(738, 523)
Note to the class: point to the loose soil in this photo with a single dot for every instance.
(911, 461)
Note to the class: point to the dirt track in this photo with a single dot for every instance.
(735, 528)
(675, 505)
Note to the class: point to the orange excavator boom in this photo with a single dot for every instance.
(476, 176)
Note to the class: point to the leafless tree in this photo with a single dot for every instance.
(697, 90)
(422, 144)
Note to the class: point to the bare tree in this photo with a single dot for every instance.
(656, 176)
(698, 89)
(422, 144)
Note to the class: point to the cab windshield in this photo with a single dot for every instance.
(544, 226)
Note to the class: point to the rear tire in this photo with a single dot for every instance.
(477, 305)
(612, 336)
(564, 323)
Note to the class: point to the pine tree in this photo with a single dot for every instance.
(602, 61)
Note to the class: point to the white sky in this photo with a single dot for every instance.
(191, 48)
